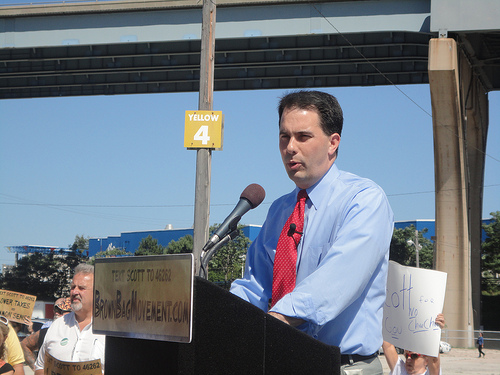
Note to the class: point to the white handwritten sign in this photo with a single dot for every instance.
(415, 296)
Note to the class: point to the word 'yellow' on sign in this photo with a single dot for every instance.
(203, 129)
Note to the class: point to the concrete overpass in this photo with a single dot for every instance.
(153, 46)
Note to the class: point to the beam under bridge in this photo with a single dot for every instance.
(154, 47)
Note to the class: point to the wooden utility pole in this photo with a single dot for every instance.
(204, 156)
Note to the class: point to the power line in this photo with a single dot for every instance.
(392, 83)
(60, 205)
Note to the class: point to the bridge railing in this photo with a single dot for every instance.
(48, 2)
(460, 338)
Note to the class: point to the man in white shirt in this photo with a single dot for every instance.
(70, 339)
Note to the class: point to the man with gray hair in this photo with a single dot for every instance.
(70, 338)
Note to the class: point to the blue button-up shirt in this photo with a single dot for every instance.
(341, 262)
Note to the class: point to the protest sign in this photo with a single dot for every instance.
(16, 306)
(415, 296)
(55, 367)
(148, 297)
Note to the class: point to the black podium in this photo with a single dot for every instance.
(230, 336)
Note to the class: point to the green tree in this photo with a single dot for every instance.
(226, 263)
(149, 246)
(81, 243)
(490, 259)
(181, 246)
(46, 276)
(404, 253)
(110, 252)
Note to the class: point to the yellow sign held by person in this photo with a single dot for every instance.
(203, 129)
(16, 306)
(55, 367)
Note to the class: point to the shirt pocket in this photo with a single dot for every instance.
(314, 255)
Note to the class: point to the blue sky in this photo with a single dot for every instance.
(99, 166)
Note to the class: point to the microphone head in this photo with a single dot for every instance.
(254, 193)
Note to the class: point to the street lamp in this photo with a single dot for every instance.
(418, 247)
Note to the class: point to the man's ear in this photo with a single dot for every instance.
(334, 144)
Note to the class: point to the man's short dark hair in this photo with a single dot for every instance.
(326, 105)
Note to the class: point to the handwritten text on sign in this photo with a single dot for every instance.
(16, 306)
(144, 297)
(415, 296)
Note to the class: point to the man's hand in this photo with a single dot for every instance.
(294, 322)
(29, 323)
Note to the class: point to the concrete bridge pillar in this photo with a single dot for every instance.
(460, 122)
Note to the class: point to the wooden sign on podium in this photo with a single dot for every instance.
(148, 297)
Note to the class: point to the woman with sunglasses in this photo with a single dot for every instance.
(5, 368)
(414, 363)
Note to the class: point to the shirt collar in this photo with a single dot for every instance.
(318, 191)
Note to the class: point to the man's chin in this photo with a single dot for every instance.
(76, 306)
(295, 176)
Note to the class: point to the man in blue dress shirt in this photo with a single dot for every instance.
(343, 254)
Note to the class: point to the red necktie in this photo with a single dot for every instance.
(285, 260)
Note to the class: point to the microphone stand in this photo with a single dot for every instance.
(206, 256)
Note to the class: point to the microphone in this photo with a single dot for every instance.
(251, 197)
(292, 230)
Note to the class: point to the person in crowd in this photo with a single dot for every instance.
(15, 356)
(320, 260)
(80, 343)
(480, 345)
(5, 368)
(414, 363)
(33, 342)
(18, 327)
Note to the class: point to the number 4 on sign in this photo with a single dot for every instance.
(202, 135)
(203, 129)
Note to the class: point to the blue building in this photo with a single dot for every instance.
(420, 225)
(129, 241)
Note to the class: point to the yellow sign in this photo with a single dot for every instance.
(148, 297)
(55, 367)
(16, 306)
(203, 129)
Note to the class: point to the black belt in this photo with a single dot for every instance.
(346, 359)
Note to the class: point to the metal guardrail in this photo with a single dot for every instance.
(48, 2)
(491, 338)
